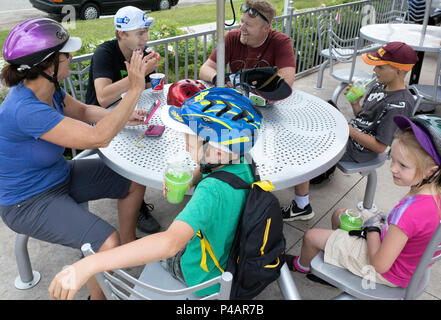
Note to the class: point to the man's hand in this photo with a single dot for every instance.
(227, 80)
(152, 60)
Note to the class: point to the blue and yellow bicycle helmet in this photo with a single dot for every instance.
(223, 117)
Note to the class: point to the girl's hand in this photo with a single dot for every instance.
(137, 117)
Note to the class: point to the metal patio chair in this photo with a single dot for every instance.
(335, 49)
(155, 283)
(430, 93)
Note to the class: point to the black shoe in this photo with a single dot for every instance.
(314, 278)
(289, 259)
(292, 212)
(146, 223)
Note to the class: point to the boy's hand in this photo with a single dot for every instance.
(164, 190)
(356, 101)
(67, 283)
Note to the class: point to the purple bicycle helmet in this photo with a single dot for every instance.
(34, 40)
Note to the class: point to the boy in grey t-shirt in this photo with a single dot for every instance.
(375, 119)
(372, 129)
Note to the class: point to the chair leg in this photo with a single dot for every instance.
(369, 193)
(287, 285)
(320, 74)
(338, 91)
(27, 277)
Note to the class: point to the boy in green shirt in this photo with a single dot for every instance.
(220, 126)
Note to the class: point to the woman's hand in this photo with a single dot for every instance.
(137, 69)
(137, 117)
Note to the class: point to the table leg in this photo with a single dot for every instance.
(416, 70)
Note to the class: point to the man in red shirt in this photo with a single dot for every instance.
(255, 44)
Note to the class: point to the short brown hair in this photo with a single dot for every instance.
(264, 7)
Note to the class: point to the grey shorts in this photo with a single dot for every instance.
(55, 216)
(173, 266)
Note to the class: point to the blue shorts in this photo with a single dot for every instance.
(55, 216)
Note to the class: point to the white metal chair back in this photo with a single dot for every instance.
(119, 285)
(343, 51)
(76, 84)
(393, 16)
(436, 94)
(430, 92)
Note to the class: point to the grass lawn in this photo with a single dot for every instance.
(103, 29)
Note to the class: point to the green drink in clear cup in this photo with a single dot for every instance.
(358, 89)
(351, 220)
(355, 92)
(177, 177)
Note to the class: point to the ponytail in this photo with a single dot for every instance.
(11, 76)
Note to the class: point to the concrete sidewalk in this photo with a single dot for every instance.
(341, 191)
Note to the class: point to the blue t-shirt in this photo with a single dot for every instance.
(29, 165)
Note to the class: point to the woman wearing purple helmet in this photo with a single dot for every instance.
(39, 189)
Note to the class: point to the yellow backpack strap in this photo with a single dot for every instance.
(205, 246)
(265, 185)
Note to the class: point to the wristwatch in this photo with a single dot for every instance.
(372, 229)
(363, 232)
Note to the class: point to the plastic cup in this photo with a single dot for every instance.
(157, 81)
(257, 100)
(177, 177)
(354, 93)
(351, 220)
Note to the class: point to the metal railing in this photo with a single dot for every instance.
(183, 55)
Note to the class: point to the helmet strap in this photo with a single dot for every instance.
(429, 179)
(54, 78)
(206, 168)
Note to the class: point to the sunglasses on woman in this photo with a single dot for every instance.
(252, 12)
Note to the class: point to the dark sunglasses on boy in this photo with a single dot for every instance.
(252, 12)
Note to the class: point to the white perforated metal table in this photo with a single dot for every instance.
(301, 137)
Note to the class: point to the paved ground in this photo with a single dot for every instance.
(342, 191)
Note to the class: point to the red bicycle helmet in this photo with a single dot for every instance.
(182, 90)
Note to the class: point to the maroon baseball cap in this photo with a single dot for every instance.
(397, 54)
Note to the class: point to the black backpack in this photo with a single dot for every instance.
(258, 250)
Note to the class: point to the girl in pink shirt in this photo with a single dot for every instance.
(389, 246)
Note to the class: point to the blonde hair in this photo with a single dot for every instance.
(264, 7)
(410, 147)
